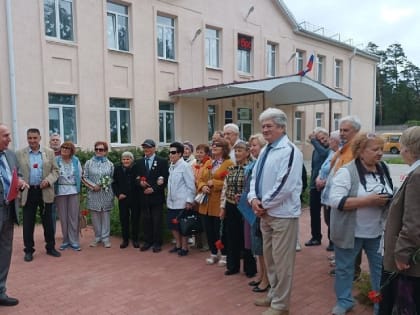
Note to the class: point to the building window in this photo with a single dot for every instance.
(62, 116)
(119, 121)
(338, 73)
(244, 122)
(320, 64)
(228, 117)
(117, 17)
(337, 118)
(211, 120)
(166, 37)
(299, 60)
(58, 19)
(271, 59)
(212, 47)
(318, 119)
(298, 127)
(244, 53)
(166, 123)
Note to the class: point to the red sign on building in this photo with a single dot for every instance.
(244, 42)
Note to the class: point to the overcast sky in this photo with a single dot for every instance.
(383, 22)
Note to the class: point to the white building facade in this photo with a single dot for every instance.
(102, 70)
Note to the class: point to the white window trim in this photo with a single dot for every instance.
(271, 56)
(320, 64)
(57, 22)
(300, 56)
(60, 108)
(117, 14)
(164, 111)
(340, 78)
(164, 26)
(295, 126)
(210, 39)
(119, 110)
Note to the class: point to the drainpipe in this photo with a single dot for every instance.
(12, 80)
(350, 78)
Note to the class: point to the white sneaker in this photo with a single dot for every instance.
(211, 260)
(298, 247)
(94, 243)
(222, 261)
(107, 244)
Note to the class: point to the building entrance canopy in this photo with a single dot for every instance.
(279, 91)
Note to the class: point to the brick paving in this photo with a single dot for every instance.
(115, 281)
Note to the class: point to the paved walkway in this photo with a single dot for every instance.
(114, 281)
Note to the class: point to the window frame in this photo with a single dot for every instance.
(300, 62)
(172, 27)
(271, 54)
(338, 73)
(211, 120)
(244, 57)
(163, 125)
(61, 116)
(336, 120)
(58, 21)
(298, 126)
(319, 118)
(115, 26)
(209, 42)
(119, 111)
(320, 68)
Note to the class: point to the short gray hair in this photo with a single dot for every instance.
(232, 127)
(353, 120)
(276, 115)
(411, 140)
(335, 134)
(320, 130)
(127, 154)
(260, 139)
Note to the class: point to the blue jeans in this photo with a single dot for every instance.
(344, 269)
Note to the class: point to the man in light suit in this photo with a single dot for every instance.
(40, 171)
(8, 212)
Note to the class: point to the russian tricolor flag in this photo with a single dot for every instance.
(309, 66)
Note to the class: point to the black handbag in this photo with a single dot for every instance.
(189, 223)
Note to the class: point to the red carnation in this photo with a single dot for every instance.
(143, 179)
(375, 296)
(35, 165)
(224, 174)
(209, 167)
(219, 245)
(174, 221)
(197, 167)
(85, 212)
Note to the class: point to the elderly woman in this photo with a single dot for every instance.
(402, 235)
(180, 196)
(211, 183)
(253, 236)
(188, 153)
(97, 176)
(123, 185)
(229, 212)
(67, 189)
(359, 196)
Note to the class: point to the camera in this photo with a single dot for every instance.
(388, 195)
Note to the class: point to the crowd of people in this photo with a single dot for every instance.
(247, 197)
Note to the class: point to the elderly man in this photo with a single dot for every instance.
(40, 170)
(319, 140)
(8, 211)
(231, 134)
(55, 145)
(274, 195)
(151, 173)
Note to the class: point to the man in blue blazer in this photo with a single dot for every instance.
(8, 211)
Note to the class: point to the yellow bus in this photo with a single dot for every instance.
(392, 142)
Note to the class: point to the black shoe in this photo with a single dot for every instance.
(330, 247)
(156, 249)
(8, 301)
(124, 244)
(28, 257)
(145, 247)
(136, 244)
(183, 252)
(230, 272)
(313, 242)
(175, 249)
(53, 252)
(254, 283)
(259, 290)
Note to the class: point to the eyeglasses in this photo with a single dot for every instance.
(99, 149)
(370, 135)
(66, 148)
(216, 144)
(173, 152)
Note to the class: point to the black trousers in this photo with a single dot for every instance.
(33, 203)
(212, 228)
(129, 211)
(234, 237)
(6, 242)
(152, 224)
(315, 208)
(327, 216)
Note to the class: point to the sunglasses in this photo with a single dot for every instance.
(173, 152)
(215, 144)
(99, 149)
(66, 148)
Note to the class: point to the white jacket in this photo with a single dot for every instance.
(280, 197)
(181, 185)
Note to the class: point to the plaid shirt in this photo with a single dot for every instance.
(233, 185)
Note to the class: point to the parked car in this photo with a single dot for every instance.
(392, 142)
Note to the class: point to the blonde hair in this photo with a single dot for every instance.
(361, 141)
